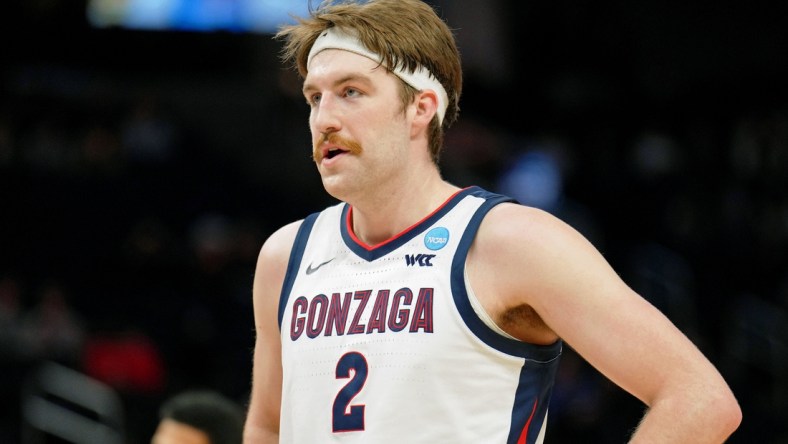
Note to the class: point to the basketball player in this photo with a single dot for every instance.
(416, 311)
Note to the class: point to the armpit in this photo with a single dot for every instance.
(525, 324)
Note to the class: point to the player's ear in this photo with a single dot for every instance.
(426, 107)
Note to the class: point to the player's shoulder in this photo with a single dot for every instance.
(280, 242)
(512, 225)
(508, 217)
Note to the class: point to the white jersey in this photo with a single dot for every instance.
(383, 344)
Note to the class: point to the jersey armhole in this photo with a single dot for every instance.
(479, 309)
(294, 262)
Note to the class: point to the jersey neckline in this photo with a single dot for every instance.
(372, 252)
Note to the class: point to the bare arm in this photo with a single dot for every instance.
(262, 422)
(539, 261)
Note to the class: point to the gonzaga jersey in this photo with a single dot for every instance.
(383, 344)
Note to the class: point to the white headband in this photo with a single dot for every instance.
(420, 79)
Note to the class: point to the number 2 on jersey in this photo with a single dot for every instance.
(344, 419)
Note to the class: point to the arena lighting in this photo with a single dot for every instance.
(235, 16)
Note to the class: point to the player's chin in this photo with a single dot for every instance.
(333, 183)
(337, 185)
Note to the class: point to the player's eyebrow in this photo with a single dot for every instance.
(353, 77)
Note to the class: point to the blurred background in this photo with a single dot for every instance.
(147, 148)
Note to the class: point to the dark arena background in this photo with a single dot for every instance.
(143, 163)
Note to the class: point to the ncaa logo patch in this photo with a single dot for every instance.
(436, 238)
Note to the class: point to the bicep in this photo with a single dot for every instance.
(580, 297)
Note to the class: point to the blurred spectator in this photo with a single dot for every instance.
(199, 417)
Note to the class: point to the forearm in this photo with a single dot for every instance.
(262, 423)
(710, 421)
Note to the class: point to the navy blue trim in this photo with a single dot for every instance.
(537, 376)
(534, 352)
(535, 386)
(294, 263)
(403, 238)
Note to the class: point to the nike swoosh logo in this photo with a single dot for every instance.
(310, 270)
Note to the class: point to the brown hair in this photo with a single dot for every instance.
(406, 33)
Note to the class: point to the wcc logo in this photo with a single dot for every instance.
(435, 239)
(423, 260)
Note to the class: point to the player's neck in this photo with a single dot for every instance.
(379, 219)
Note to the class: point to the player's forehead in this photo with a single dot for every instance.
(332, 64)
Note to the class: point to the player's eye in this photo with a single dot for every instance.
(352, 92)
(313, 99)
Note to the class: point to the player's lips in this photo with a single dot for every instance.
(329, 152)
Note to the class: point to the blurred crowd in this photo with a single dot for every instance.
(128, 247)
(130, 224)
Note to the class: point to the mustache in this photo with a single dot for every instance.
(349, 145)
